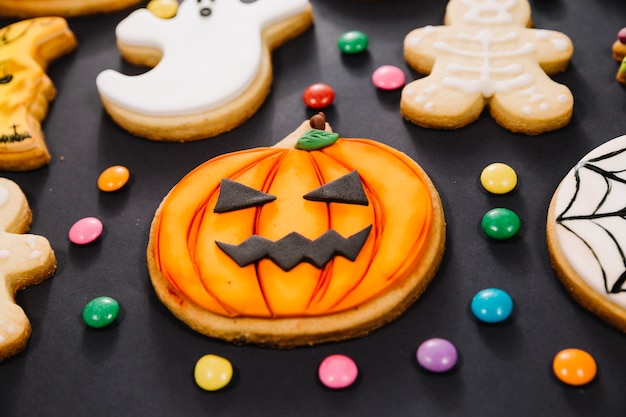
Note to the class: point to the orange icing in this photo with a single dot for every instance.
(26, 48)
(399, 212)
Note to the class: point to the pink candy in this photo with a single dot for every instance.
(338, 371)
(85, 231)
(388, 77)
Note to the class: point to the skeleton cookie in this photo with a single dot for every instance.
(26, 48)
(487, 55)
(24, 260)
(212, 66)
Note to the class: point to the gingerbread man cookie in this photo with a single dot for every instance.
(487, 55)
(212, 66)
(33, 8)
(26, 48)
(24, 260)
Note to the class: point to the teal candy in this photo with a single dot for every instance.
(492, 305)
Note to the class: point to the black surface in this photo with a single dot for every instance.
(143, 365)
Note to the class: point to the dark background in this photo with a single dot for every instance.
(143, 365)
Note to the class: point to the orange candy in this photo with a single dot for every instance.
(574, 366)
(113, 178)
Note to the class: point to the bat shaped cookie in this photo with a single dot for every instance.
(26, 48)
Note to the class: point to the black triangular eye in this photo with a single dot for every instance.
(235, 196)
(347, 189)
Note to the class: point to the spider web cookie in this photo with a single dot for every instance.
(586, 232)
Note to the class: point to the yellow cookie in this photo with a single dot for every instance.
(26, 48)
(304, 242)
(485, 55)
(66, 8)
(24, 260)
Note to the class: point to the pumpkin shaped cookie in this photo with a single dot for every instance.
(304, 242)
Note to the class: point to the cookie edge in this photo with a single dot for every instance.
(586, 296)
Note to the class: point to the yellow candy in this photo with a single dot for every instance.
(165, 9)
(498, 178)
(213, 372)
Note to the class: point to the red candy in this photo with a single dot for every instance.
(318, 96)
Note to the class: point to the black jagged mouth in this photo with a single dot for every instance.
(295, 249)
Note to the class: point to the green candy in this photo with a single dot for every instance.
(100, 312)
(353, 42)
(501, 223)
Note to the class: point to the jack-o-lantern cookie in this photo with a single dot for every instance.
(316, 239)
(24, 260)
(26, 48)
(586, 232)
(65, 8)
(486, 55)
(212, 66)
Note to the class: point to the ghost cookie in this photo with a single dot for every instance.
(304, 242)
(212, 66)
(66, 8)
(26, 48)
(24, 260)
(586, 232)
(486, 55)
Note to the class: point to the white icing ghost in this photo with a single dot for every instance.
(212, 51)
(486, 53)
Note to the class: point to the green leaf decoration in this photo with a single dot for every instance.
(316, 139)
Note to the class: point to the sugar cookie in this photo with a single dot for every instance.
(26, 48)
(212, 66)
(285, 246)
(619, 46)
(486, 56)
(586, 231)
(24, 260)
(65, 8)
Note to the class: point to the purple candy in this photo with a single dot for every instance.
(437, 355)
